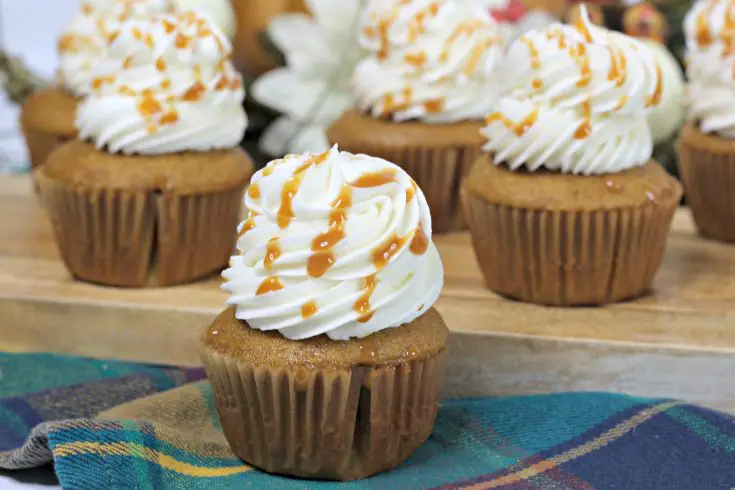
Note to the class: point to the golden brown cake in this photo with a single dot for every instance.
(706, 146)
(419, 106)
(141, 221)
(707, 164)
(319, 408)
(567, 208)
(154, 197)
(47, 120)
(329, 362)
(561, 239)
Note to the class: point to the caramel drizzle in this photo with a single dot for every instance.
(475, 56)
(247, 226)
(585, 129)
(727, 33)
(581, 26)
(466, 27)
(272, 252)
(323, 257)
(618, 67)
(519, 129)
(420, 242)
(309, 309)
(269, 285)
(434, 106)
(655, 98)
(583, 60)
(362, 305)
(291, 188)
(374, 179)
(254, 191)
(533, 53)
(390, 105)
(385, 252)
(703, 35)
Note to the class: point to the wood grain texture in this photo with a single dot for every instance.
(677, 342)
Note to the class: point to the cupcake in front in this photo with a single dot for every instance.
(151, 192)
(706, 146)
(48, 115)
(566, 207)
(328, 362)
(422, 92)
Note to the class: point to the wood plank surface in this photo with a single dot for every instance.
(678, 342)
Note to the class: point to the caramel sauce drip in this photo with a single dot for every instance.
(137, 34)
(467, 27)
(182, 41)
(389, 101)
(254, 191)
(533, 52)
(272, 252)
(149, 106)
(476, 55)
(171, 117)
(362, 305)
(269, 285)
(420, 242)
(537, 84)
(268, 170)
(128, 62)
(703, 35)
(434, 106)
(291, 188)
(383, 253)
(166, 83)
(195, 92)
(149, 41)
(519, 129)
(125, 90)
(583, 29)
(383, 28)
(410, 194)
(416, 59)
(99, 81)
(168, 26)
(249, 225)
(585, 129)
(623, 100)
(160, 64)
(585, 72)
(309, 309)
(319, 262)
(655, 97)
(374, 179)
(727, 33)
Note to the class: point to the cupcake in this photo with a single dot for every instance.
(151, 193)
(328, 362)
(566, 207)
(706, 146)
(47, 118)
(422, 93)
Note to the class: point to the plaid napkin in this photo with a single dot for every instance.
(586, 441)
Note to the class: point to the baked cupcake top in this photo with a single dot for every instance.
(167, 85)
(83, 43)
(430, 60)
(336, 244)
(710, 43)
(574, 100)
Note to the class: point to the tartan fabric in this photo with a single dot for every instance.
(173, 440)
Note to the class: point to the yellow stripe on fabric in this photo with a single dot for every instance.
(601, 441)
(138, 451)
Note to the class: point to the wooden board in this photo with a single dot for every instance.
(678, 342)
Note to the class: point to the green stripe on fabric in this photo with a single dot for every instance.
(703, 429)
(134, 435)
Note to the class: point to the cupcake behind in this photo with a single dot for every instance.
(422, 93)
(567, 208)
(150, 193)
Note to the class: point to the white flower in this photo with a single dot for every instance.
(312, 90)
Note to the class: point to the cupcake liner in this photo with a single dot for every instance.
(135, 239)
(569, 257)
(322, 423)
(437, 157)
(707, 167)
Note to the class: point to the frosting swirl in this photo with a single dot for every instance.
(334, 244)
(430, 60)
(710, 41)
(83, 43)
(166, 86)
(575, 100)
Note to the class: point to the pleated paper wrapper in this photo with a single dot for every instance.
(707, 165)
(338, 424)
(141, 238)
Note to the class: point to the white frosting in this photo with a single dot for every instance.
(430, 60)
(219, 12)
(166, 86)
(710, 33)
(83, 44)
(575, 99)
(335, 244)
